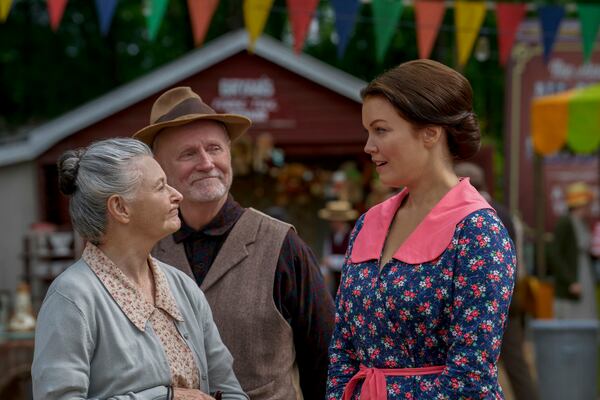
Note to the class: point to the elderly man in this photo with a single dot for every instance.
(262, 281)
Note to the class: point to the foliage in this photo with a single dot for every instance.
(44, 74)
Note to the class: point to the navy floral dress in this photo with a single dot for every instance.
(449, 311)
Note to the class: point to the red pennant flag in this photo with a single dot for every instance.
(300, 14)
(429, 15)
(201, 13)
(56, 8)
(509, 17)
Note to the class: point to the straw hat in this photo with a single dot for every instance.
(578, 194)
(338, 210)
(179, 106)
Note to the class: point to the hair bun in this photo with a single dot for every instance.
(68, 167)
(464, 137)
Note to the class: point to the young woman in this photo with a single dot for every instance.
(429, 273)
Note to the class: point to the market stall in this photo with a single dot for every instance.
(568, 119)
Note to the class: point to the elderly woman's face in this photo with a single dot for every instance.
(394, 146)
(155, 206)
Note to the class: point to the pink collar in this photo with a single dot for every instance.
(431, 237)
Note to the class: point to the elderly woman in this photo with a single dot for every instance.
(119, 324)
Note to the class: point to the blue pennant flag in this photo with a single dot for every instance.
(345, 18)
(106, 11)
(550, 18)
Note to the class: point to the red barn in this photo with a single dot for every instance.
(311, 111)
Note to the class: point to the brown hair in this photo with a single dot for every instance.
(425, 93)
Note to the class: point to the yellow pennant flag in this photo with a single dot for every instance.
(468, 17)
(256, 13)
(4, 9)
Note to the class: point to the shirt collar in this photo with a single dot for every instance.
(227, 216)
(125, 293)
(431, 237)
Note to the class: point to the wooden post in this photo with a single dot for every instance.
(539, 200)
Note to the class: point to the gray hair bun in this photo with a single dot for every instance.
(68, 167)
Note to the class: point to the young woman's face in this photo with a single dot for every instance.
(394, 145)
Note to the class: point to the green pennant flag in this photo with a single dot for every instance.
(385, 14)
(156, 13)
(584, 120)
(589, 17)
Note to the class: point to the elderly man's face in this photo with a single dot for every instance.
(196, 158)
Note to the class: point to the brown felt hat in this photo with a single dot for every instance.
(338, 210)
(180, 106)
(578, 194)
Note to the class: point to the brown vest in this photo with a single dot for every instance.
(239, 289)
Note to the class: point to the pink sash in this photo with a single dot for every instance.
(374, 387)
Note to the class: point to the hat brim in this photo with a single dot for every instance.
(579, 200)
(236, 125)
(342, 216)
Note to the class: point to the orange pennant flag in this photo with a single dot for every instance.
(468, 17)
(56, 9)
(549, 122)
(429, 15)
(201, 13)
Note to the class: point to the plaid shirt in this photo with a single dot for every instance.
(299, 292)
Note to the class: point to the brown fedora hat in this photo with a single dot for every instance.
(180, 106)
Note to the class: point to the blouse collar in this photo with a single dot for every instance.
(126, 294)
(431, 237)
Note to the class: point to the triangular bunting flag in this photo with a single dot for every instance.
(300, 13)
(429, 15)
(468, 17)
(256, 13)
(158, 8)
(550, 18)
(385, 15)
(509, 17)
(201, 13)
(4, 9)
(589, 17)
(106, 10)
(56, 8)
(345, 18)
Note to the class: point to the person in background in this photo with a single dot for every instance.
(339, 214)
(261, 280)
(512, 353)
(428, 279)
(570, 260)
(119, 324)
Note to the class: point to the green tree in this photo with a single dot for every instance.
(44, 74)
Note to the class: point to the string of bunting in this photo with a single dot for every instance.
(468, 19)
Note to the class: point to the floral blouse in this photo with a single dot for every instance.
(161, 316)
(442, 300)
